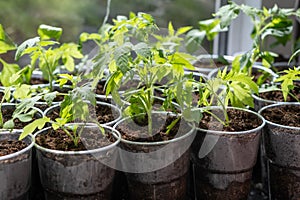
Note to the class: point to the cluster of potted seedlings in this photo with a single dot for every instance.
(145, 122)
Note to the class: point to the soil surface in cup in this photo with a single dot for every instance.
(1, 97)
(131, 84)
(239, 120)
(277, 95)
(288, 115)
(7, 114)
(42, 107)
(104, 113)
(36, 81)
(59, 140)
(11, 146)
(137, 130)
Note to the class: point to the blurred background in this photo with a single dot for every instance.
(20, 18)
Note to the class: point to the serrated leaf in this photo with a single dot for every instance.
(26, 44)
(194, 40)
(49, 97)
(36, 124)
(227, 14)
(22, 92)
(142, 49)
(5, 43)
(8, 71)
(183, 30)
(171, 29)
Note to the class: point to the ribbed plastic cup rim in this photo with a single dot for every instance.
(115, 133)
(280, 104)
(192, 125)
(236, 132)
(9, 156)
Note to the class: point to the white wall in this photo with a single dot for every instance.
(239, 33)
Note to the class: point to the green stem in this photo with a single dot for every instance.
(216, 117)
(70, 135)
(51, 78)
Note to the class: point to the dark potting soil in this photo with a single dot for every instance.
(131, 84)
(137, 130)
(42, 107)
(7, 115)
(104, 114)
(11, 146)
(1, 97)
(36, 81)
(100, 88)
(278, 96)
(287, 115)
(259, 74)
(239, 120)
(59, 140)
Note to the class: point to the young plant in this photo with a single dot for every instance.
(126, 50)
(287, 80)
(46, 52)
(234, 88)
(75, 106)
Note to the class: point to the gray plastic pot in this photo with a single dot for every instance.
(76, 175)
(282, 146)
(223, 161)
(156, 170)
(15, 169)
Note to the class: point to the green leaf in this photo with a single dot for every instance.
(192, 115)
(49, 97)
(9, 71)
(7, 94)
(194, 40)
(5, 43)
(183, 30)
(30, 128)
(9, 124)
(227, 14)
(171, 29)
(25, 117)
(22, 91)
(142, 49)
(87, 36)
(287, 80)
(26, 44)
(250, 11)
(47, 32)
(69, 63)
(211, 28)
